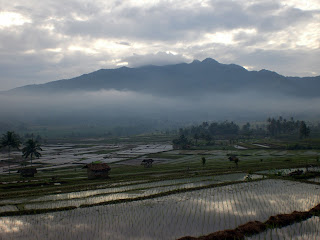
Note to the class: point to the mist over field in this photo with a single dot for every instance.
(109, 106)
(162, 97)
(199, 91)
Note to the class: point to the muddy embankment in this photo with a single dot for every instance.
(255, 227)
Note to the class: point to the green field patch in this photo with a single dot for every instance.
(164, 156)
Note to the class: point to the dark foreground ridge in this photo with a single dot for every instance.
(255, 227)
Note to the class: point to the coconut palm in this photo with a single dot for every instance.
(31, 149)
(10, 140)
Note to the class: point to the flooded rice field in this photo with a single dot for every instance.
(122, 192)
(239, 147)
(260, 145)
(65, 155)
(190, 213)
(8, 208)
(179, 211)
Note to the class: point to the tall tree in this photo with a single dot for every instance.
(10, 140)
(304, 131)
(32, 147)
(182, 142)
(246, 129)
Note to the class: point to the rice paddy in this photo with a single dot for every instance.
(191, 213)
(176, 197)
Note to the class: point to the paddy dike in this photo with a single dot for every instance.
(255, 227)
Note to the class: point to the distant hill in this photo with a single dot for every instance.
(196, 78)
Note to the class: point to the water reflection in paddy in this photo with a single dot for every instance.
(109, 193)
(192, 213)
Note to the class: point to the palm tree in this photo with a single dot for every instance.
(10, 140)
(304, 131)
(31, 148)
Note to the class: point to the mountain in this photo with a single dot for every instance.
(196, 78)
(148, 98)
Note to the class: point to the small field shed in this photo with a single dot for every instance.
(27, 172)
(97, 170)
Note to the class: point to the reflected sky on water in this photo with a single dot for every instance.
(192, 213)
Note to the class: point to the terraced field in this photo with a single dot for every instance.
(176, 197)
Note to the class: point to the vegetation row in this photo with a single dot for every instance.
(255, 227)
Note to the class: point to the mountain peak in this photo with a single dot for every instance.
(195, 61)
(210, 61)
(264, 71)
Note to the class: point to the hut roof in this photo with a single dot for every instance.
(147, 160)
(27, 170)
(97, 166)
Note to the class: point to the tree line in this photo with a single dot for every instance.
(280, 126)
(208, 132)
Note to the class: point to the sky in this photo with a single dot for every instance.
(47, 40)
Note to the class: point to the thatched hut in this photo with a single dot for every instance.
(147, 162)
(234, 159)
(97, 170)
(27, 172)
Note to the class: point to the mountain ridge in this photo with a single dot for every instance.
(182, 79)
